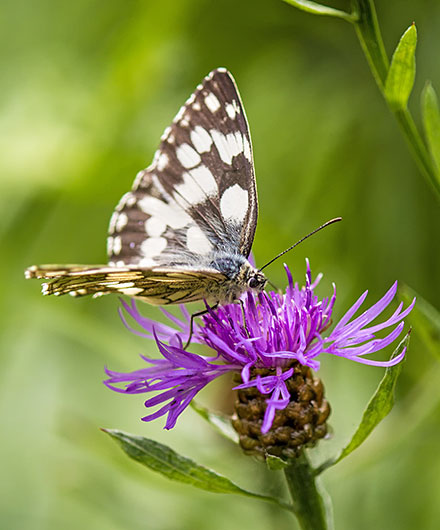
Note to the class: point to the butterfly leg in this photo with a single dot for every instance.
(191, 324)
(240, 301)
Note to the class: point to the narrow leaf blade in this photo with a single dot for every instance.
(402, 72)
(318, 9)
(167, 462)
(431, 121)
(377, 409)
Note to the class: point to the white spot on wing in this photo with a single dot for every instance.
(247, 149)
(155, 227)
(153, 246)
(189, 191)
(171, 214)
(201, 139)
(121, 221)
(187, 156)
(117, 245)
(111, 227)
(128, 199)
(197, 185)
(165, 134)
(180, 114)
(120, 285)
(234, 204)
(228, 145)
(131, 291)
(162, 161)
(109, 245)
(138, 179)
(197, 242)
(196, 106)
(212, 102)
(232, 109)
(205, 179)
(147, 263)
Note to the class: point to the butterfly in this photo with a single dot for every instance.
(185, 230)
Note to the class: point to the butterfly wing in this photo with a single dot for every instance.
(195, 201)
(199, 195)
(160, 286)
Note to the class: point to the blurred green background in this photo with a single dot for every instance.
(87, 88)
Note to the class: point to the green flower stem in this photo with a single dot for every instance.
(370, 38)
(311, 507)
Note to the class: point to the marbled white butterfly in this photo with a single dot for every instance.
(185, 230)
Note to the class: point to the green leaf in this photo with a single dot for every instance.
(166, 461)
(274, 463)
(431, 121)
(402, 72)
(319, 9)
(426, 319)
(377, 409)
(220, 422)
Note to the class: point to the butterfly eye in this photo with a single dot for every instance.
(253, 283)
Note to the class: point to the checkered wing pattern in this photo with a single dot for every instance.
(190, 216)
(199, 193)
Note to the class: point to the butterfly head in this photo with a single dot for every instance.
(256, 280)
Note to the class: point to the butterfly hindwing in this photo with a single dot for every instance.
(160, 286)
(199, 194)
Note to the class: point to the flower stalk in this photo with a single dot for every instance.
(310, 503)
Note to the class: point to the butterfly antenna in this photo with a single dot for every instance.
(335, 220)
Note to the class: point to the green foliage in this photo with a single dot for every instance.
(164, 460)
(318, 9)
(431, 121)
(395, 81)
(274, 463)
(220, 422)
(378, 408)
(402, 72)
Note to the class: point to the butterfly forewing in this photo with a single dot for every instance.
(199, 193)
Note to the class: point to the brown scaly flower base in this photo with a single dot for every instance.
(301, 424)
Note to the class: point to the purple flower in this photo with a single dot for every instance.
(269, 331)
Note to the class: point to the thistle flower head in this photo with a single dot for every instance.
(268, 340)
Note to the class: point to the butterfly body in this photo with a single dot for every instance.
(185, 230)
